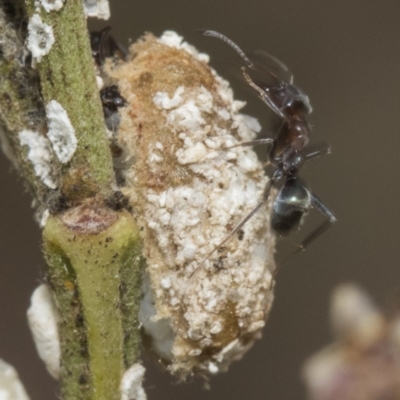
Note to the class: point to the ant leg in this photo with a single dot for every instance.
(318, 153)
(265, 164)
(247, 217)
(257, 141)
(104, 35)
(263, 94)
(251, 143)
(317, 203)
(319, 230)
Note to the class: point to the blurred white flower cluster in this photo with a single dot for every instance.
(364, 361)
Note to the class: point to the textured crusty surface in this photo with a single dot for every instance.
(188, 193)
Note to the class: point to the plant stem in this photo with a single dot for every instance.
(93, 253)
(67, 76)
(87, 269)
(20, 99)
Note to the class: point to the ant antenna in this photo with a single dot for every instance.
(263, 94)
(231, 43)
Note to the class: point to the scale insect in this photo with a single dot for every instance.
(288, 148)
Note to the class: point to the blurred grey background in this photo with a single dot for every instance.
(345, 54)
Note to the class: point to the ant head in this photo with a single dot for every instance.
(290, 98)
(111, 98)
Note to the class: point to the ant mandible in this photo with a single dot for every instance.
(287, 153)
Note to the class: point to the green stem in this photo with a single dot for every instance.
(93, 266)
(67, 76)
(93, 253)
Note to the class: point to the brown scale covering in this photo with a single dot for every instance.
(155, 67)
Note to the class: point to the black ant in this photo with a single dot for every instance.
(287, 153)
(111, 100)
(103, 46)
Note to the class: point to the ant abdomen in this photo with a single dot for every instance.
(291, 203)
